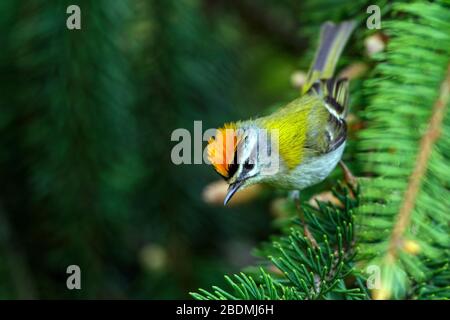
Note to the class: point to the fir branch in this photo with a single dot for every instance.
(422, 162)
(401, 226)
(302, 270)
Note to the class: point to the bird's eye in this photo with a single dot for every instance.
(248, 165)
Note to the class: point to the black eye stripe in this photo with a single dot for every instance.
(232, 168)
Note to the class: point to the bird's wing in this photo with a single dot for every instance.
(331, 112)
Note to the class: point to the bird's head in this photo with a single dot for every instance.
(233, 153)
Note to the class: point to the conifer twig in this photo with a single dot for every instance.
(425, 149)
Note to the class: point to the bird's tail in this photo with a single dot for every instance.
(333, 38)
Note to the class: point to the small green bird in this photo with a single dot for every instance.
(307, 136)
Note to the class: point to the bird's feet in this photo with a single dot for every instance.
(348, 175)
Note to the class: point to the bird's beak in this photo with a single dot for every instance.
(232, 190)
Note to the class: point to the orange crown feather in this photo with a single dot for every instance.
(222, 148)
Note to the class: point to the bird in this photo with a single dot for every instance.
(298, 145)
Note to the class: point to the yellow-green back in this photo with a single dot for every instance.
(298, 124)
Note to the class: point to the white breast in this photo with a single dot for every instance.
(309, 172)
